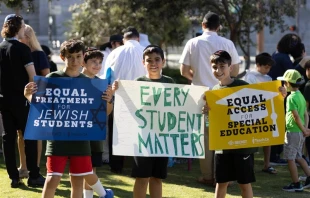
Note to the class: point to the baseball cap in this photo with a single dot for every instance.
(292, 76)
(211, 18)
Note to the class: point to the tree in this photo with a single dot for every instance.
(242, 17)
(164, 21)
(18, 5)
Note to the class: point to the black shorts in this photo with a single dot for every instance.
(96, 159)
(231, 167)
(144, 167)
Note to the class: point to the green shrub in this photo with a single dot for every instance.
(175, 74)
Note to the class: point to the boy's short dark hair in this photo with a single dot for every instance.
(264, 59)
(211, 20)
(130, 32)
(72, 46)
(220, 56)
(12, 25)
(153, 49)
(92, 52)
(307, 65)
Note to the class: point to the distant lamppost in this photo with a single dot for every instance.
(50, 23)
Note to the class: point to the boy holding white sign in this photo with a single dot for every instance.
(296, 120)
(234, 164)
(78, 152)
(151, 170)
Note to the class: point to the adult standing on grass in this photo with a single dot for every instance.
(42, 68)
(17, 70)
(124, 63)
(195, 66)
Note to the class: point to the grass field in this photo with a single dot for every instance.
(180, 183)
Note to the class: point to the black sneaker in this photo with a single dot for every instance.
(307, 183)
(15, 183)
(293, 187)
(37, 182)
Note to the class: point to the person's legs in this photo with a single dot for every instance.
(267, 150)
(304, 165)
(76, 186)
(39, 152)
(207, 164)
(293, 170)
(155, 187)
(116, 162)
(221, 190)
(50, 186)
(88, 191)
(21, 150)
(246, 190)
(140, 187)
(9, 141)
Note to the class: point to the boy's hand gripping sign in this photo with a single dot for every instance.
(158, 119)
(246, 116)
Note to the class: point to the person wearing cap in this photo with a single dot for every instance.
(17, 70)
(264, 63)
(196, 67)
(296, 120)
(285, 47)
(124, 63)
(114, 42)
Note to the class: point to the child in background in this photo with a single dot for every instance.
(151, 170)
(92, 65)
(263, 63)
(78, 152)
(296, 120)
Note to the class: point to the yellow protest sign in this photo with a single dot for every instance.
(246, 116)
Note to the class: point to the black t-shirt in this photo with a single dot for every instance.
(40, 61)
(14, 58)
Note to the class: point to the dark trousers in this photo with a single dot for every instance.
(276, 152)
(15, 118)
(116, 162)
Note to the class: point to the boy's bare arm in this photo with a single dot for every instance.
(306, 117)
(298, 121)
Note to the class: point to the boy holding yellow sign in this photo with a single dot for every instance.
(234, 164)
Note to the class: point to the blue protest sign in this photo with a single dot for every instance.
(67, 109)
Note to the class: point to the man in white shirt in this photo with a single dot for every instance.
(126, 61)
(114, 42)
(195, 66)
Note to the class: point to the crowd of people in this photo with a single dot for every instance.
(207, 60)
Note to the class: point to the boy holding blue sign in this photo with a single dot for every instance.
(92, 65)
(78, 152)
(151, 170)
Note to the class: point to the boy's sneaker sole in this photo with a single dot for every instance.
(293, 190)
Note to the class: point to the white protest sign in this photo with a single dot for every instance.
(158, 119)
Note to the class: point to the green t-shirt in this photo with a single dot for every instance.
(66, 148)
(235, 83)
(295, 101)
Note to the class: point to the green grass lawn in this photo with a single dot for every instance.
(180, 183)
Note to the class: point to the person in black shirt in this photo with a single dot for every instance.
(17, 70)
